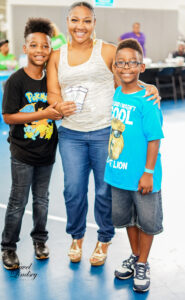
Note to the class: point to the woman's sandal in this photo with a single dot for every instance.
(98, 257)
(75, 252)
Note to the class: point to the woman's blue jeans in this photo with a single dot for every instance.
(24, 177)
(82, 152)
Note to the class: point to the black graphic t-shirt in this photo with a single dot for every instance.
(32, 143)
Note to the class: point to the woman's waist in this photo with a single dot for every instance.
(103, 89)
(80, 123)
(89, 106)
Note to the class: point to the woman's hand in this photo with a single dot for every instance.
(153, 91)
(67, 108)
(51, 113)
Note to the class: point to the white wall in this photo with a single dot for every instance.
(150, 4)
(134, 4)
(181, 24)
(142, 4)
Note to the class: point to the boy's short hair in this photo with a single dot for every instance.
(38, 25)
(3, 42)
(132, 44)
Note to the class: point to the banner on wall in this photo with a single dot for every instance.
(104, 3)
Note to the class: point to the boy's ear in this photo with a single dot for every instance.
(24, 49)
(142, 69)
(113, 68)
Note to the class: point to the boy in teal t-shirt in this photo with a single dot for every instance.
(133, 167)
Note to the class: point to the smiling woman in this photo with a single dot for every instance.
(84, 63)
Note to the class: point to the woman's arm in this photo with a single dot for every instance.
(66, 108)
(108, 53)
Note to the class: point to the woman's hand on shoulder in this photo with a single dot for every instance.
(152, 91)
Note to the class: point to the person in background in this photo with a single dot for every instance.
(58, 39)
(135, 34)
(180, 50)
(7, 60)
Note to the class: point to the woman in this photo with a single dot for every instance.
(84, 135)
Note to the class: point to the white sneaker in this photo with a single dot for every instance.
(127, 269)
(141, 277)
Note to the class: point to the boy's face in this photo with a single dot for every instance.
(4, 49)
(129, 72)
(136, 28)
(181, 48)
(37, 48)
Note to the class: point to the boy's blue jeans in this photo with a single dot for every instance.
(82, 152)
(24, 177)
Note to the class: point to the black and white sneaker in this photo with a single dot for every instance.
(127, 269)
(141, 277)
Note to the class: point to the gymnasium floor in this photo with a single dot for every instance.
(57, 279)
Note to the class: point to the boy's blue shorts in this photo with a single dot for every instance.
(131, 208)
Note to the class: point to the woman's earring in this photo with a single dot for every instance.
(94, 37)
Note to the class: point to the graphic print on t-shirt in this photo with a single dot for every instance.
(120, 114)
(42, 128)
(116, 142)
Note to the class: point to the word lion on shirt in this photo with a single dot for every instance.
(116, 142)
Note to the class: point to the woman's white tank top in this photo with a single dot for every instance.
(98, 79)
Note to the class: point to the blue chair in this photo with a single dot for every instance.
(149, 75)
(165, 82)
(181, 78)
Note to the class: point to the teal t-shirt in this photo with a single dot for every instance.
(135, 122)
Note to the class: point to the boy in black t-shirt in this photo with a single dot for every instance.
(33, 141)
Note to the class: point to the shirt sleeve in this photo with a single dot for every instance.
(124, 36)
(11, 97)
(152, 121)
(143, 37)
